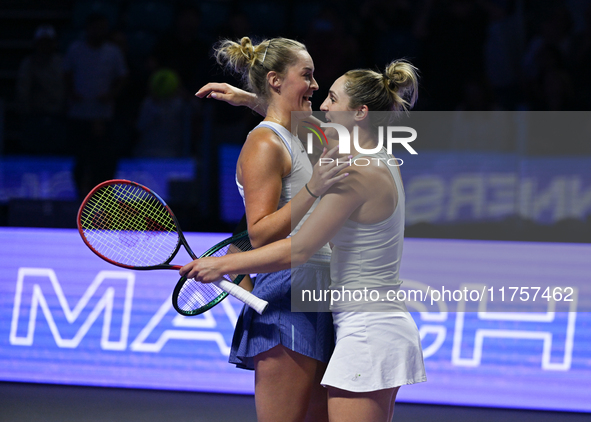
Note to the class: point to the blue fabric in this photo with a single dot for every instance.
(308, 333)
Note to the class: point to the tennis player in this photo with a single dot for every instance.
(288, 350)
(363, 217)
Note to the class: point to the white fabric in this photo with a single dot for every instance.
(368, 255)
(301, 172)
(374, 350)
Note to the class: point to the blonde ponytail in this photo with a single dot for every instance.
(253, 62)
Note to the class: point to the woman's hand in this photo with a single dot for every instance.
(228, 93)
(205, 270)
(326, 171)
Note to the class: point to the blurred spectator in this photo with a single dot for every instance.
(40, 95)
(333, 49)
(387, 31)
(503, 50)
(160, 121)
(452, 34)
(237, 26)
(554, 32)
(95, 74)
(578, 10)
(552, 88)
(183, 51)
(129, 97)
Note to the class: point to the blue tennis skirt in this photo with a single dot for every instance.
(308, 333)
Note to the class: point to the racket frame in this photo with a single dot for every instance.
(222, 295)
(163, 266)
(166, 264)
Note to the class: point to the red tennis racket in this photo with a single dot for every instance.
(129, 225)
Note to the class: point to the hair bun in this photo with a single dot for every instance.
(390, 81)
(397, 74)
(401, 78)
(247, 50)
(238, 57)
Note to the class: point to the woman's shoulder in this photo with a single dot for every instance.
(353, 183)
(264, 148)
(364, 176)
(262, 138)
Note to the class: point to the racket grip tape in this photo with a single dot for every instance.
(245, 296)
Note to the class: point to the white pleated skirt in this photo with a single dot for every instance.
(375, 351)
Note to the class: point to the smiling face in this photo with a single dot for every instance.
(337, 103)
(298, 84)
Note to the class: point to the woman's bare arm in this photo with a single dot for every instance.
(331, 213)
(232, 95)
(239, 97)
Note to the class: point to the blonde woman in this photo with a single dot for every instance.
(363, 217)
(287, 350)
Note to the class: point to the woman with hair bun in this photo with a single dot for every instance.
(378, 347)
(287, 350)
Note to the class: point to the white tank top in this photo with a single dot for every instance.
(368, 255)
(300, 174)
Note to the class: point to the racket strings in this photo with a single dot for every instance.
(129, 225)
(194, 295)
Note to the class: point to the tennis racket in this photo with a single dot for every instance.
(129, 225)
(191, 297)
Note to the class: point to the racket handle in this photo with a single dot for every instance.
(245, 296)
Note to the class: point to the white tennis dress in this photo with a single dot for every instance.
(374, 350)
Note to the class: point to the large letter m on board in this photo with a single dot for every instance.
(39, 288)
